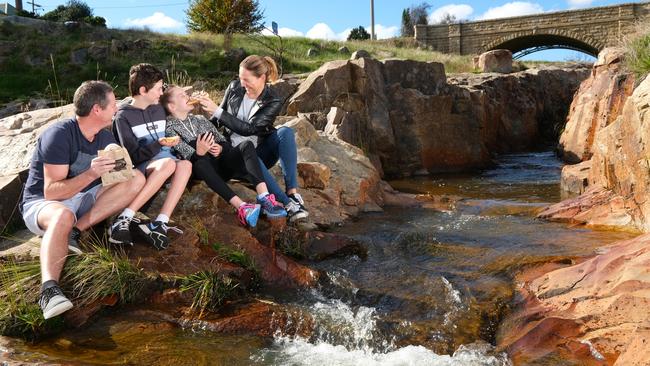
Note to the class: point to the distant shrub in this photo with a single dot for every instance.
(76, 11)
(359, 33)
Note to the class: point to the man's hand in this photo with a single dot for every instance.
(203, 143)
(215, 150)
(101, 165)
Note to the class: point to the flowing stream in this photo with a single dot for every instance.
(432, 290)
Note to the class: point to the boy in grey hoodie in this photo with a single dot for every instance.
(140, 128)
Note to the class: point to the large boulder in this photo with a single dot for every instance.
(591, 313)
(409, 120)
(495, 61)
(598, 102)
(620, 171)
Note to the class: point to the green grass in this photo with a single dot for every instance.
(199, 57)
(97, 273)
(638, 52)
(20, 314)
(210, 290)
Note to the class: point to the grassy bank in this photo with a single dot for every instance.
(39, 62)
(638, 52)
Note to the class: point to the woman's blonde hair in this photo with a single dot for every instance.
(259, 66)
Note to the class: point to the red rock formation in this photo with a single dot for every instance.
(597, 103)
(592, 313)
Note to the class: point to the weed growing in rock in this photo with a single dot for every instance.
(101, 272)
(638, 52)
(20, 315)
(210, 290)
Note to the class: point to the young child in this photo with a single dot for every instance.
(214, 160)
(140, 128)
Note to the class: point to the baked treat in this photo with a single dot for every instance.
(169, 139)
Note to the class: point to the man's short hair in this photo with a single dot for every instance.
(146, 75)
(91, 93)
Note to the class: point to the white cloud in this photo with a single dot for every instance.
(283, 32)
(579, 3)
(513, 9)
(458, 11)
(322, 31)
(385, 32)
(157, 21)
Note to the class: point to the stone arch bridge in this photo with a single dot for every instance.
(587, 30)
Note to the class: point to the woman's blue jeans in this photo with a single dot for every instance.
(280, 145)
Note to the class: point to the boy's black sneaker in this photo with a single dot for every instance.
(119, 233)
(155, 233)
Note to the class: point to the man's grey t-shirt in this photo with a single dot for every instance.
(63, 144)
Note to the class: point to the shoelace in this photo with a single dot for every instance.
(241, 214)
(271, 199)
(298, 198)
(172, 228)
(123, 223)
(48, 294)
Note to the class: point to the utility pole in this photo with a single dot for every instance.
(34, 6)
(373, 36)
(19, 5)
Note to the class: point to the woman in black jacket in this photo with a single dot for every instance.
(247, 112)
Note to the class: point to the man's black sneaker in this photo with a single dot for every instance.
(119, 233)
(296, 208)
(53, 302)
(73, 241)
(155, 233)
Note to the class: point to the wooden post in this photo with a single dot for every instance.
(19, 5)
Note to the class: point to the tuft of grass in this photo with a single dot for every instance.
(20, 314)
(199, 227)
(100, 272)
(210, 290)
(177, 77)
(240, 258)
(97, 273)
(637, 47)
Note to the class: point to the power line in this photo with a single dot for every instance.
(139, 6)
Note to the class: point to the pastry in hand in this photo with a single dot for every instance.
(169, 139)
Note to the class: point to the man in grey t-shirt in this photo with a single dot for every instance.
(63, 195)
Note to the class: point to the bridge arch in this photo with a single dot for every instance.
(520, 41)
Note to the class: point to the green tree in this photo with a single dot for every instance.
(225, 16)
(359, 33)
(74, 10)
(419, 13)
(448, 19)
(407, 25)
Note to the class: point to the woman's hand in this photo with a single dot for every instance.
(215, 150)
(207, 104)
(203, 143)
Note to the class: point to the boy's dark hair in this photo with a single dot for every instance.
(146, 75)
(88, 94)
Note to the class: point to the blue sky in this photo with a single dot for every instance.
(331, 19)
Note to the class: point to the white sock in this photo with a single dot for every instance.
(262, 195)
(128, 213)
(162, 218)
